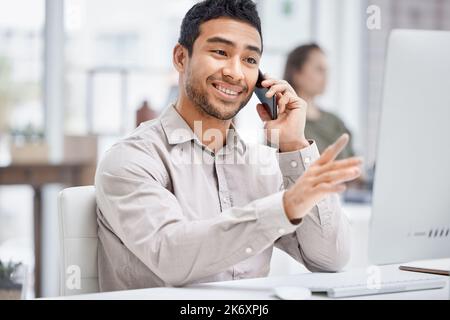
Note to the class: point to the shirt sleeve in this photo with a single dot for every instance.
(149, 220)
(322, 239)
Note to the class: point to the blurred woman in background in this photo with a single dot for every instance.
(306, 71)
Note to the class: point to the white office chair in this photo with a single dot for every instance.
(78, 241)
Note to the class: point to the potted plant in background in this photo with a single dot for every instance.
(10, 289)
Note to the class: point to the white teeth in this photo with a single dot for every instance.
(227, 91)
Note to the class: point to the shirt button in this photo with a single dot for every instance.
(281, 230)
(307, 160)
(248, 250)
(294, 164)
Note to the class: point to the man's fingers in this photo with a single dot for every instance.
(281, 88)
(263, 114)
(337, 176)
(282, 101)
(332, 151)
(338, 164)
(268, 81)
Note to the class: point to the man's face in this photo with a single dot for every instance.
(222, 71)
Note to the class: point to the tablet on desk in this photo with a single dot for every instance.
(440, 266)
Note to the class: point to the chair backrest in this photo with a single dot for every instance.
(78, 241)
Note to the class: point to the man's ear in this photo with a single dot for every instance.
(180, 56)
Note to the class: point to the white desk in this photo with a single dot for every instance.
(250, 289)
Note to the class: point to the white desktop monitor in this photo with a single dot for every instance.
(411, 201)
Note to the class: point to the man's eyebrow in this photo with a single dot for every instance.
(232, 44)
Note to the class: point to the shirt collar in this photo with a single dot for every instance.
(178, 131)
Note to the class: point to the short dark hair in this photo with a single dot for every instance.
(297, 59)
(242, 10)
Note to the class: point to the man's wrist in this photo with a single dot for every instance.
(288, 209)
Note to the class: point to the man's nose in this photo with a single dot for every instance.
(233, 70)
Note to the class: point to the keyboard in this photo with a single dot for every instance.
(372, 281)
(356, 282)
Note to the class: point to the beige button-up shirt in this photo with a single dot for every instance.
(171, 212)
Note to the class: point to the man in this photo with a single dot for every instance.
(174, 210)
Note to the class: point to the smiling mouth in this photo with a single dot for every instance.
(226, 91)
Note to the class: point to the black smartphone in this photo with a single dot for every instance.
(269, 103)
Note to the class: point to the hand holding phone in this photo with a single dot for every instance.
(290, 126)
(269, 103)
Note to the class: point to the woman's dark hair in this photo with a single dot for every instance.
(242, 10)
(297, 59)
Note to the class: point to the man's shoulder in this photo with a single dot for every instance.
(148, 133)
(145, 138)
(142, 148)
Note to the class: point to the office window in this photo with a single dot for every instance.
(115, 63)
(21, 52)
(21, 114)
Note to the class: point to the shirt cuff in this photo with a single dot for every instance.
(295, 163)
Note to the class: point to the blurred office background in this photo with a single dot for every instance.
(74, 72)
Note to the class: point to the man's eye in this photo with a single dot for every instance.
(221, 52)
(252, 60)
